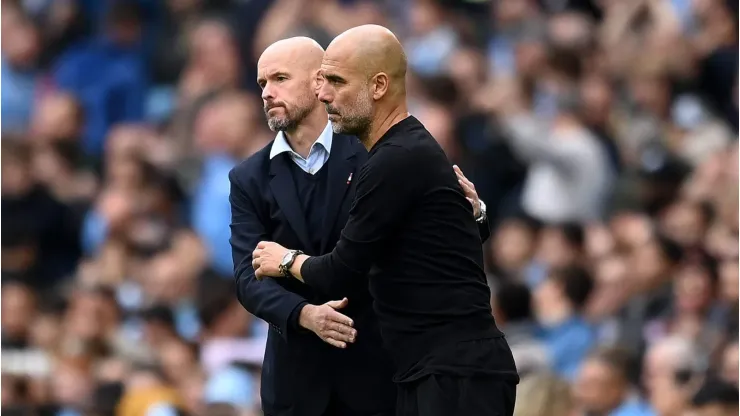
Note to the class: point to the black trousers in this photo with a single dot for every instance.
(340, 410)
(337, 408)
(443, 395)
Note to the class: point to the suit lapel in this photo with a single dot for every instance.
(342, 164)
(284, 189)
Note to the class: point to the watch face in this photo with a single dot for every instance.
(286, 258)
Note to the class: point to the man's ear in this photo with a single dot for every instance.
(381, 84)
(318, 80)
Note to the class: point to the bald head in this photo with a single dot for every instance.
(364, 70)
(298, 52)
(287, 72)
(371, 49)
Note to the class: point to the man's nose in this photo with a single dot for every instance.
(267, 93)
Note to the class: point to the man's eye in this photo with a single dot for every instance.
(282, 78)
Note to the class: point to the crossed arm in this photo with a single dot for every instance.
(286, 311)
(268, 256)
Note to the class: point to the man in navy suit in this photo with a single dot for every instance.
(297, 191)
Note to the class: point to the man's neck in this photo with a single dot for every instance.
(387, 120)
(303, 136)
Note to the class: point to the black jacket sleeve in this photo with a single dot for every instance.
(484, 228)
(265, 299)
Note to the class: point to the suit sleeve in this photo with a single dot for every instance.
(265, 299)
(386, 189)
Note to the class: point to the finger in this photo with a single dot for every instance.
(467, 189)
(335, 316)
(257, 253)
(338, 336)
(461, 177)
(262, 244)
(257, 273)
(335, 343)
(338, 304)
(340, 323)
(467, 181)
(343, 329)
(472, 201)
(460, 174)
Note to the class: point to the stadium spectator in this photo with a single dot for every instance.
(544, 394)
(604, 387)
(512, 308)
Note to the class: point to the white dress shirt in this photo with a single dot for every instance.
(317, 155)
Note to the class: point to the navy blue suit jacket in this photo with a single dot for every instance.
(301, 373)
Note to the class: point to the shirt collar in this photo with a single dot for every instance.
(281, 145)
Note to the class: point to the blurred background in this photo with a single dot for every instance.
(602, 134)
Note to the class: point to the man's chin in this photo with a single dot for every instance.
(278, 124)
(349, 129)
(338, 128)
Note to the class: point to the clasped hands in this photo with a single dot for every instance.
(266, 259)
(331, 326)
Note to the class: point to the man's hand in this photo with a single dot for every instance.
(469, 190)
(266, 259)
(330, 325)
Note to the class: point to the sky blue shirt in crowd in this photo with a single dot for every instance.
(568, 343)
(211, 211)
(230, 385)
(19, 88)
(633, 407)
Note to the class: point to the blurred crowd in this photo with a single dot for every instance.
(602, 135)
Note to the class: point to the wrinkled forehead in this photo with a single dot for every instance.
(281, 60)
(343, 57)
(268, 64)
(344, 69)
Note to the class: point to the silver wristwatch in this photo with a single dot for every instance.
(287, 262)
(482, 215)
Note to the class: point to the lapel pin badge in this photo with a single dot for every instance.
(349, 179)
